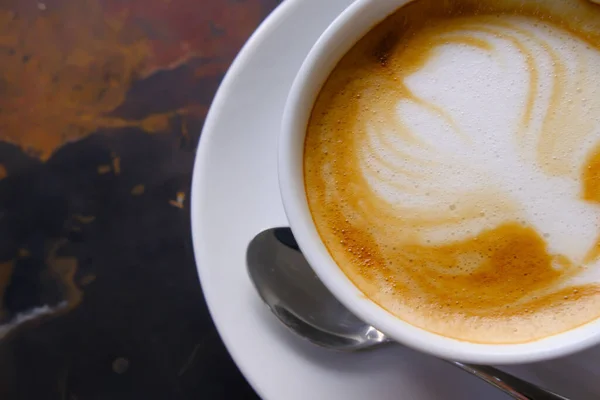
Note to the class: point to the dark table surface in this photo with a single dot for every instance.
(101, 107)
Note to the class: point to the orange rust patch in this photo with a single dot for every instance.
(86, 280)
(179, 201)
(6, 270)
(23, 253)
(138, 190)
(116, 163)
(55, 94)
(104, 169)
(84, 219)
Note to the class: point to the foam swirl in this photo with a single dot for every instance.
(496, 126)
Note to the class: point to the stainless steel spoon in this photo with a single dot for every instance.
(288, 285)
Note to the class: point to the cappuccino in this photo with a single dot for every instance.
(452, 166)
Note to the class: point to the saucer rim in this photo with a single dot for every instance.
(201, 165)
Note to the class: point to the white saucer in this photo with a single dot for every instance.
(235, 195)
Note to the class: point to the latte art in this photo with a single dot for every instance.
(497, 125)
(452, 167)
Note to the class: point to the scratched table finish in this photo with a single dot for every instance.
(101, 107)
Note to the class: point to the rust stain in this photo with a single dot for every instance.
(138, 190)
(60, 81)
(179, 200)
(184, 130)
(84, 219)
(156, 123)
(6, 271)
(214, 32)
(88, 279)
(23, 253)
(104, 169)
(67, 67)
(116, 164)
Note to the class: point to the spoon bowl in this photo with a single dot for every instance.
(294, 293)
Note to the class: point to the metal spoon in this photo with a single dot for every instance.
(288, 285)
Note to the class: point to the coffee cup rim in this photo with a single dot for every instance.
(352, 24)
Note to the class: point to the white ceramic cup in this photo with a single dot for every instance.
(341, 35)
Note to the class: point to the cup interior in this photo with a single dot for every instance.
(335, 42)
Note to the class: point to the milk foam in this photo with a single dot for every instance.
(452, 167)
(469, 134)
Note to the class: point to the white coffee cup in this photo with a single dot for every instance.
(341, 35)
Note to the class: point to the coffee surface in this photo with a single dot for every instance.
(452, 166)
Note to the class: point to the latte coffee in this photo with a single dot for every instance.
(452, 166)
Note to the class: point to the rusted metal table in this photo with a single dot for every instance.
(101, 107)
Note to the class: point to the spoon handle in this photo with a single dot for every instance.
(509, 384)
